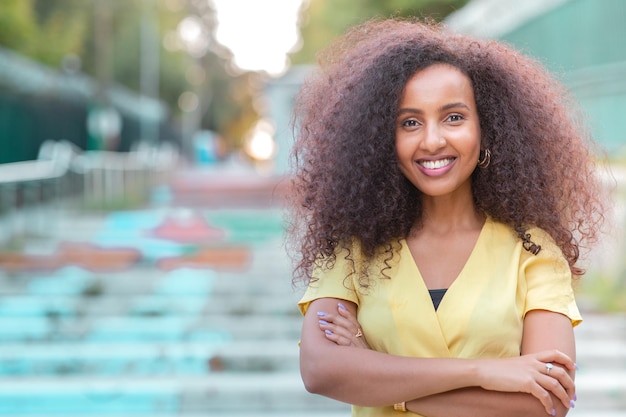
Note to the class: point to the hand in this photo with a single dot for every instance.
(342, 328)
(529, 373)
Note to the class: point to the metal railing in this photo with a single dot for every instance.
(64, 176)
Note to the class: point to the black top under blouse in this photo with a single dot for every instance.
(437, 296)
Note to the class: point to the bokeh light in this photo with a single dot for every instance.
(260, 34)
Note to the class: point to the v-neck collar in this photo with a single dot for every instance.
(476, 248)
(436, 324)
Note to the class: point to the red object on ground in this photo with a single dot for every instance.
(238, 257)
(187, 228)
(96, 258)
(84, 255)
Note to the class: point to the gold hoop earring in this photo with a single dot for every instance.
(484, 158)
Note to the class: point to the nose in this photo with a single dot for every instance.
(433, 139)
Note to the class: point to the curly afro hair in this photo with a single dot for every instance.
(347, 184)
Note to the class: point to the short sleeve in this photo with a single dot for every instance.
(548, 279)
(335, 282)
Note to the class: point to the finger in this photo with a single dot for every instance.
(563, 377)
(333, 337)
(557, 357)
(338, 334)
(554, 387)
(343, 311)
(544, 397)
(565, 387)
(338, 338)
(354, 324)
(336, 319)
(329, 317)
(347, 315)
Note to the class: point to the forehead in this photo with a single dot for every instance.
(437, 80)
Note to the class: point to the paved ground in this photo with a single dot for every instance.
(197, 318)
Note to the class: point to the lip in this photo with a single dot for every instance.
(434, 172)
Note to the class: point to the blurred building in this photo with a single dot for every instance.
(579, 40)
(281, 94)
(38, 103)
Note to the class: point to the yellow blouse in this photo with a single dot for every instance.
(481, 314)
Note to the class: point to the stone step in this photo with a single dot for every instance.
(224, 392)
(146, 305)
(600, 390)
(141, 359)
(72, 285)
(227, 393)
(110, 329)
(606, 353)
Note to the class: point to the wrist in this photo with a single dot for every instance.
(473, 373)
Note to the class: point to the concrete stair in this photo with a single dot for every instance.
(157, 343)
(193, 342)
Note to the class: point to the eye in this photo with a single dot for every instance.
(410, 123)
(453, 118)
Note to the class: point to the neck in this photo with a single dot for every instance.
(450, 213)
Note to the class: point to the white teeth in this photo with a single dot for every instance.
(440, 163)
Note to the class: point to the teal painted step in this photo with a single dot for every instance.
(144, 359)
(111, 402)
(115, 329)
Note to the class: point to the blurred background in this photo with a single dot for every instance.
(143, 160)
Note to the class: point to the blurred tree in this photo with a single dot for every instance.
(204, 71)
(46, 30)
(324, 20)
(17, 24)
(50, 31)
(61, 28)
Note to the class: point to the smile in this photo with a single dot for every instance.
(436, 164)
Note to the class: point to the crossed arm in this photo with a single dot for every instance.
(336, 363)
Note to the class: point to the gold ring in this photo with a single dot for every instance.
(549, 367)
(359, 333)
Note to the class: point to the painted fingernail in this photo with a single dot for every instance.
(321, 314)
(328, 331)
(324, 322)
(575, 397)
(341, 306)
(553, 412)
(572, 404)
(575, 366)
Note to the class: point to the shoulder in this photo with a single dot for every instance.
(547, 261)
(547, 247)
(505, 234)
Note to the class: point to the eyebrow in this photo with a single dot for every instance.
(442, 108)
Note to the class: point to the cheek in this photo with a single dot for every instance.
(402, 159)
(404, 150)
(471, 144)
(405, 162)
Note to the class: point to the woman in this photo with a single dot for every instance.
(443, 187)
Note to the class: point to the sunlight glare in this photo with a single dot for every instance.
(260, 34)
(260, 144)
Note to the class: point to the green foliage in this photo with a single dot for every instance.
(106, 35)
(606, 294)
(17, 24)
(61, 28)
(46, 30)
(326, 19)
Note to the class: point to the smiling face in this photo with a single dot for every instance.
(438, 131)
